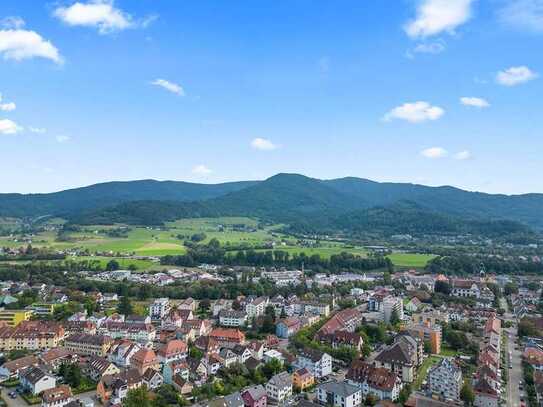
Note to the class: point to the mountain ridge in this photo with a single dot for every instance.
(284, 197)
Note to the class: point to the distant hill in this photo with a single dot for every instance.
(74, 201)
(353, 205)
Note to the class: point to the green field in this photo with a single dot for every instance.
(168, 240)
(146, 241)
(410, 259)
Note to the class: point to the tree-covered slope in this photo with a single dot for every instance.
(74, 201)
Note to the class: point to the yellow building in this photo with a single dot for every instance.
(302, 379)
(31, 335)
(15, 317)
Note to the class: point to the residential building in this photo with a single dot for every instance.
(346, 320)
(97, 366)
(392, 306)
(339, 394)
(465, 288)
(343, 338)
(445, 379)
(255, 396)
(227, 336)
(232, 318)
(57, 397)
(287, 327)
(11, 369)
(85, 344)
(302, 379)
(380, 382)
(15, 317)
(256, 307)
(122, 351)
(113, 389)
(427, 333)
(31, 335)
(279, 387)
(144, 359)
(139, 332)
(485, 394)
(188, 304)
(172, 351)
(152, 379)
(317, 362)
(400, 359)
(35, 380)
(159, 308)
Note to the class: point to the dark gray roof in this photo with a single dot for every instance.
(281, 380)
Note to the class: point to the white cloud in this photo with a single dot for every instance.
(12, 22)
(434, 152)
(101, 14)
(6, 107)
(437, 16)
(416, 112)
(62, 139)
(263, 144)
(523, 14)
(169, 86)
(474, 102)
(19, 44)
(201, 170)
(515, 76)
(462, 155)
(37, 130)
(9, 127)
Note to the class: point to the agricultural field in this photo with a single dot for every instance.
(168, 240)
(415, 260)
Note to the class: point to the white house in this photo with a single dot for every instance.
(279, 387)
(339, 394)
(36, 380)
(317, 362)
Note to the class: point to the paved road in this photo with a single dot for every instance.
(515, 373)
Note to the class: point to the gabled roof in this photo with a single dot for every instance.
(397, 353)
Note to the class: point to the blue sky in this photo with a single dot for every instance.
(432, 91)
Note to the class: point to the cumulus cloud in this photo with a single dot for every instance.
(523, 14)
(62, 139)
(416, 112)
(263, 144)
(169, 86)
(437, 16)
(201, 170)
(515, 75)
(434, 152)
(19, 44)
(462, 155)
(474, 102)
(100, 14)
(8, 127)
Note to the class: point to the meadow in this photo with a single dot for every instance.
(155, 241)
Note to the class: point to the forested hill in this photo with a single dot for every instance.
(351, 204)
(74, 201)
